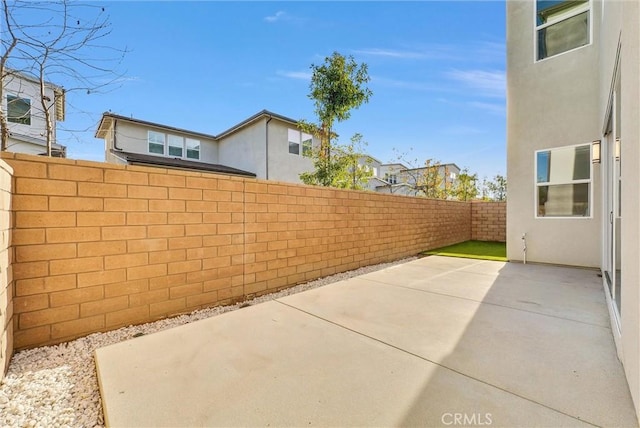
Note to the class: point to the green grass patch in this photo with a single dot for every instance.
(473, 250)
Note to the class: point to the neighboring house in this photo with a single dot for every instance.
(22, 103)
(266, 145)
(369, 162)
(396, 178)
(573, 151)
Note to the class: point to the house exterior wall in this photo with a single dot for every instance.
(630, 317)
(578, 88)
(25, 88)
(134, 137)
(18, 146)
(550, 103)
(246, 149)
(6, 278)
(100, 246)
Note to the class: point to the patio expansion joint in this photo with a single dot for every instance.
(382, 342)
(482, 302)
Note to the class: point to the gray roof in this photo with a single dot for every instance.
(140, 159)
(264, 113)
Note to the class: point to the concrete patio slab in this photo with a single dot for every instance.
(511, 285)
(384, 349)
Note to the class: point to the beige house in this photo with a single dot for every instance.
(266, 145)
(573, 161)
(23, 104)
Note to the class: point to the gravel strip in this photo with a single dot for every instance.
(57, 385)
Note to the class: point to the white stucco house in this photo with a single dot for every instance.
(573, 150)
(399, 179)
(266, 145)
(23, 104)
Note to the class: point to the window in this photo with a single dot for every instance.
(18, 110)
(193, 148)
(156, 142)
(175, 145)
(563, 182)
(294, 142)
(391, 178)
(307, 145)
(561, 26)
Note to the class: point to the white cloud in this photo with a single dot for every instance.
(299, 75)
(280, 15)
(390, 53)
(488, 83)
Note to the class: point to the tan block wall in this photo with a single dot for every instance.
(100, 246)
(489, 221)
(6, 280)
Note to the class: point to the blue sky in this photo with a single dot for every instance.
(437, 72)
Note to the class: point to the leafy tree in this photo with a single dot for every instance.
(58, 40)
(358, 164)
(337, 87)
(498, 188)
(428, 179)
(466, 188)
(431, 180)
(347, 167)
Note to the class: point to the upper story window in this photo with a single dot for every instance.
(307, 145)
(173, 145)
(193, 148)
(294, 142)
(297, 138)
(18, 110)
(391, 178)
(156, 142)
(561, 26)
(563, 181)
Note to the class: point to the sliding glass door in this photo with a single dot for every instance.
(612, 161)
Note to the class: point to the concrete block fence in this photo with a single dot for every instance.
(95, 246)
(489, 221)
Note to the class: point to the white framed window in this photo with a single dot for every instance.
(561, 26)
(175, 145)
(307, 145)
(391, 178)
(294, 141)
(18, 110)
(156, 142)
(298, 139)
(563, 181)
(193, 148)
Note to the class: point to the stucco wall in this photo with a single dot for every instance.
(6, 279)
(551, 103)
(630, 317)
(99, 246)
(27, 89)
(133, 137)
(246, 150)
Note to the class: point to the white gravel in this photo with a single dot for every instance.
(57, 385)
